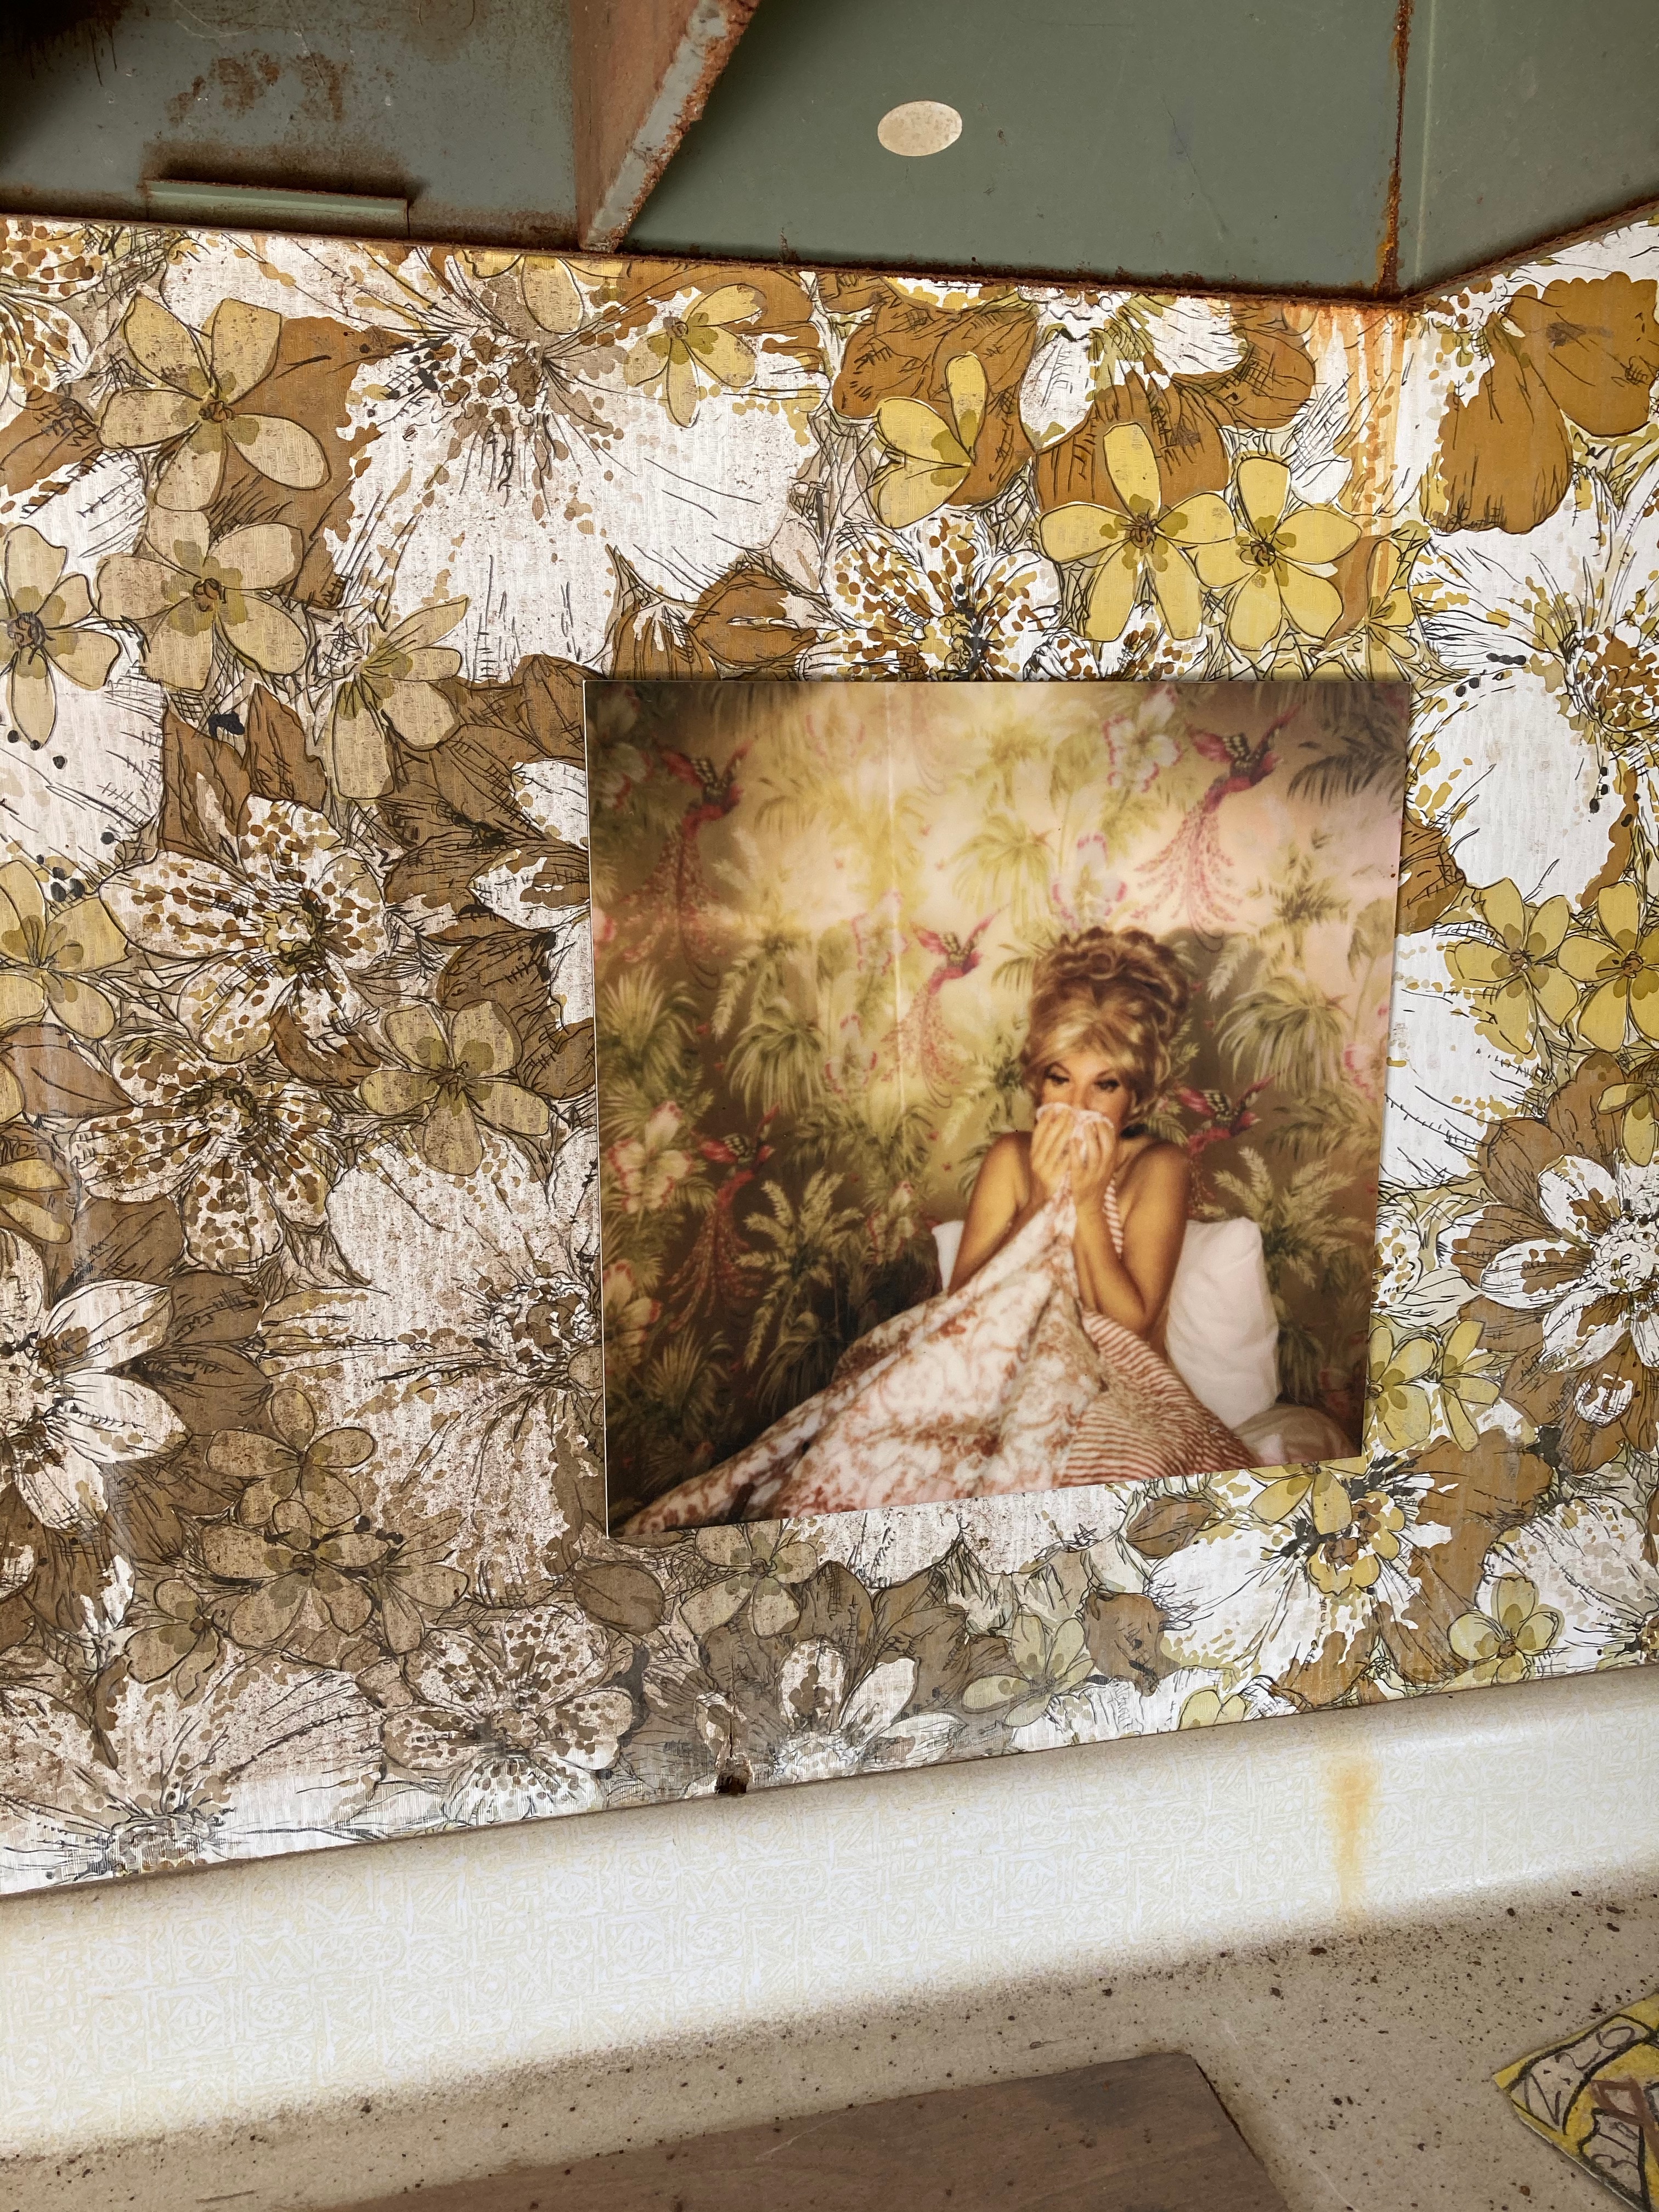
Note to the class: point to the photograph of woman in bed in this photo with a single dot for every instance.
(1041, 1365)
(990, 1084)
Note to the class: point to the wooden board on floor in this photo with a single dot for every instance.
(1143, 2134)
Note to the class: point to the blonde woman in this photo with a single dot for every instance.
(1041, 1366)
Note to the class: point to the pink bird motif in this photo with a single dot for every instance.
(675, 894)
(710, 1270)
(1221, 1117)
(1192, 874)
(921, 1040)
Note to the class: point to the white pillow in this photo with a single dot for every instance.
(947, 1236)
(1223, 1331)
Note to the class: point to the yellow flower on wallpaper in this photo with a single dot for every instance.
(1050, 1662)
(1637, 1101)
(1514, 970)
(932, 457)
(47, 953)
(1422, 1389)
(1402, 1402)
(1618, 956)
(761, 1566)
(28, 1190)
(1277, 563)
(454, 1074)
(549, 289)
(700, 348)
(1353, 1559)
(199, 381)
(1209, 1708)
(1503, 1643)
(1468, 1384)
(1145, 542)
(1321, 1489)
(394, 685)
(43, 631)
(1384, 638)
(192, 587)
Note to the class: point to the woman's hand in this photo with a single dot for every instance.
(1094, 1157)
(1050, 1155)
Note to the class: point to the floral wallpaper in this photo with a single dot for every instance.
(817, 912)
(307, 549)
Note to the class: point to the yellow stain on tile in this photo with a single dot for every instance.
(1350, 1811)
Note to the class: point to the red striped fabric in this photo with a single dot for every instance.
(1145, 1426)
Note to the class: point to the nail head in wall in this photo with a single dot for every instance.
(920, 126)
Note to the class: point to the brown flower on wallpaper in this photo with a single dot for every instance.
(1564, 1260)
(1573, 355)
(948, 375)
(1261, 378)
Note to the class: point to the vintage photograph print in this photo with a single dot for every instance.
(990, 1084)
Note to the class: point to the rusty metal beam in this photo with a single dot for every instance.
(640, 71)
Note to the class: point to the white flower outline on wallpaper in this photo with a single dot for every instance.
(512, 1718)
(266, 1756)
(1594, 1563)
(289, 928)
(67, 1417)
(1595, 1282)
(472, 1348)
(245, 1153)
(831, 1725)
(1289, 1563)
(1554, 640)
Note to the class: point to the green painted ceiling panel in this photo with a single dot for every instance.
(1523, 118)
(1240, 143)
(1249, 144)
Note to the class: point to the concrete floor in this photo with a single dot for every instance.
(1358, 2069)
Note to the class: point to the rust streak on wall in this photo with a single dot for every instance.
(1388, 258)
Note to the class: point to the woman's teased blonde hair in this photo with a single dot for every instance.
(1116, 992)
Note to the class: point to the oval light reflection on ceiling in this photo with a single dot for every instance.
(920, 126)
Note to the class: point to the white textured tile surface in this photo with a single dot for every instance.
(560, 1988)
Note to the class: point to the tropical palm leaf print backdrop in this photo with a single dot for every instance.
(817, 912)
